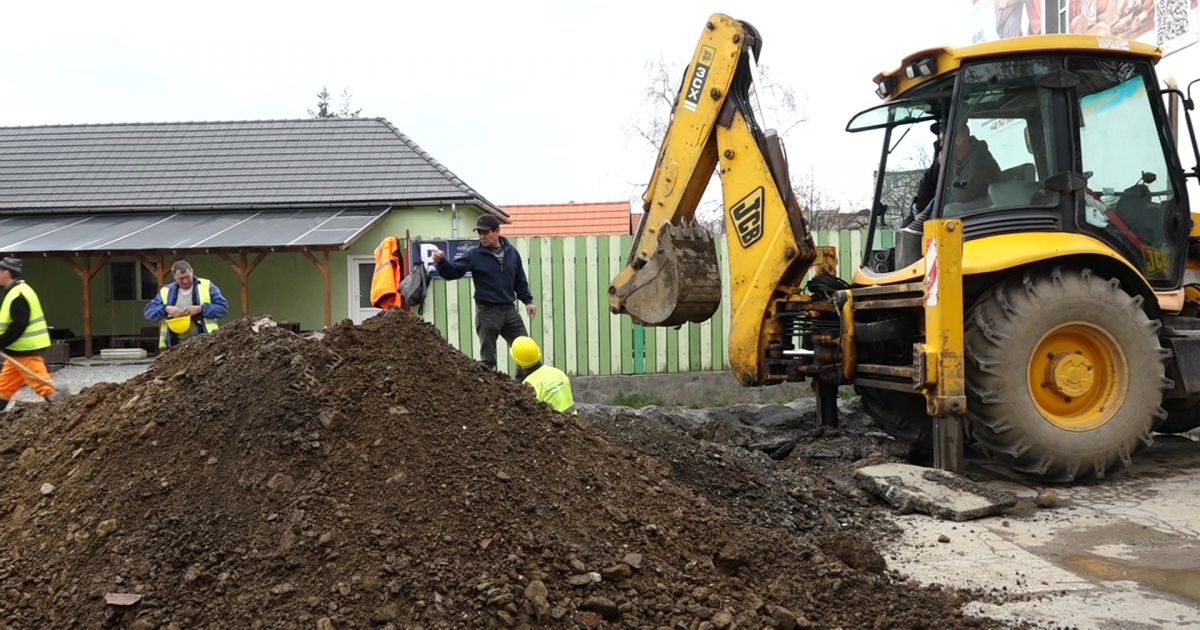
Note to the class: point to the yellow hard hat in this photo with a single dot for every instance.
(525, 351)
(179, 325)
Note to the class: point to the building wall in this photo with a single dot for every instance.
(285, 285)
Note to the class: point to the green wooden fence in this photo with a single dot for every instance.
(569, 277)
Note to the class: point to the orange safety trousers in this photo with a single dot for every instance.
(11, 378)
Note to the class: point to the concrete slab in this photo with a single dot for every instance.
(1123, 552)
(935, 492)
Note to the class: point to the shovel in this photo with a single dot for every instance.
(58, 393)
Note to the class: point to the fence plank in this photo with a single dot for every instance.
(452, 319)
(565, 268)
(626, 322)
(616, 256)
(603, 317)
(721, 317)
(598, 305)
(694, 359)
(562, 349)
(549, 317)
(577, 267)
(439, 315)
(682, 349)
(466, 319)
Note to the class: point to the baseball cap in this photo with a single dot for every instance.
(11, 264)
(487, 222)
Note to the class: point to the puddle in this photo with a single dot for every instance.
(1184, 582)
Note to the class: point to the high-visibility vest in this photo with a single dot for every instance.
(385, 281)
(37, 334)
(204, 291)
(553, 387)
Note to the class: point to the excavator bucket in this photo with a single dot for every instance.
(680, 283)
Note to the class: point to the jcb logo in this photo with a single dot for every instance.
(695, 86)
(747, 216)
(1156, 259)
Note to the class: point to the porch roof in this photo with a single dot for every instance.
(277, 230)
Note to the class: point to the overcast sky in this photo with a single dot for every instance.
(528, 101)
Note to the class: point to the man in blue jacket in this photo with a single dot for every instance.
(197, 298)
(495, 266)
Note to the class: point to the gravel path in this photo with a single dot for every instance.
(73, 378)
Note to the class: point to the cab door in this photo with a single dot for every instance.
(1134, 199)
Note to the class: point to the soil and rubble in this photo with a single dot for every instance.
(373, 476)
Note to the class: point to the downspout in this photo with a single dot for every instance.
(453, 220)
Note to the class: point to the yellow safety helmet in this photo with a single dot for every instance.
(525, 351)
(179, 325)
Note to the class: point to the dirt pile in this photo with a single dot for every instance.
(373, 476)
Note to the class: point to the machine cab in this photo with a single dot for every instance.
(1041, 138)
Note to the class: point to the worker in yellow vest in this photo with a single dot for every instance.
(24, 336)
(189, 296)
(549, 383)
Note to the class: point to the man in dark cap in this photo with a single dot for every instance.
(495, 266)
(24, 336)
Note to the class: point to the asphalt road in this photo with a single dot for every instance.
(73, 378)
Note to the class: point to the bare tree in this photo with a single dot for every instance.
(659, 95)
(324, 110)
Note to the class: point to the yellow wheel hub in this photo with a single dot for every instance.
(1078, 376)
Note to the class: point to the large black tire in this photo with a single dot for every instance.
(1182, 416)
(898, 414)
(1064, 374)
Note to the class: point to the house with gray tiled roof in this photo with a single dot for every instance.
(282, 215)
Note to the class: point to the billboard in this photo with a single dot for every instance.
(1170, 24)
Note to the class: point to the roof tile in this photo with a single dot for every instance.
(571, 219)
(148, 166)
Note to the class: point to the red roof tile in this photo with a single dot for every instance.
(571, 219)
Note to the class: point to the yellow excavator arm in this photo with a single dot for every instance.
(672, 275)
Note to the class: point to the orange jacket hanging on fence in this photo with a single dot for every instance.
(385, 282)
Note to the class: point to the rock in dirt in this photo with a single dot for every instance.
(1047, 498)
(936, 492)
(267, 411)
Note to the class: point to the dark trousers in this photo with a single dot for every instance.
(496, 320)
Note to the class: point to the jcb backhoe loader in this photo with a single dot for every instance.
(1043, 306)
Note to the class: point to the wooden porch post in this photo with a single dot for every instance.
(324, 267)
(243, 271)
(86, 273)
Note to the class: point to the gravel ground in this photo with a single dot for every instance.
(73, 378)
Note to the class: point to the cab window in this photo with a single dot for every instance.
(1129, 187)
(999, 150)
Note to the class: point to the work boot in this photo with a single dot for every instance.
(57, 396)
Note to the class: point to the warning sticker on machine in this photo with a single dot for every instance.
(695, 86)
(931, 274)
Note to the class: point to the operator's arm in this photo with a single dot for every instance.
(155, 309)
(218, 308)
(19, 309)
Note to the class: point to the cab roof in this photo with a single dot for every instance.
(949, 59)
